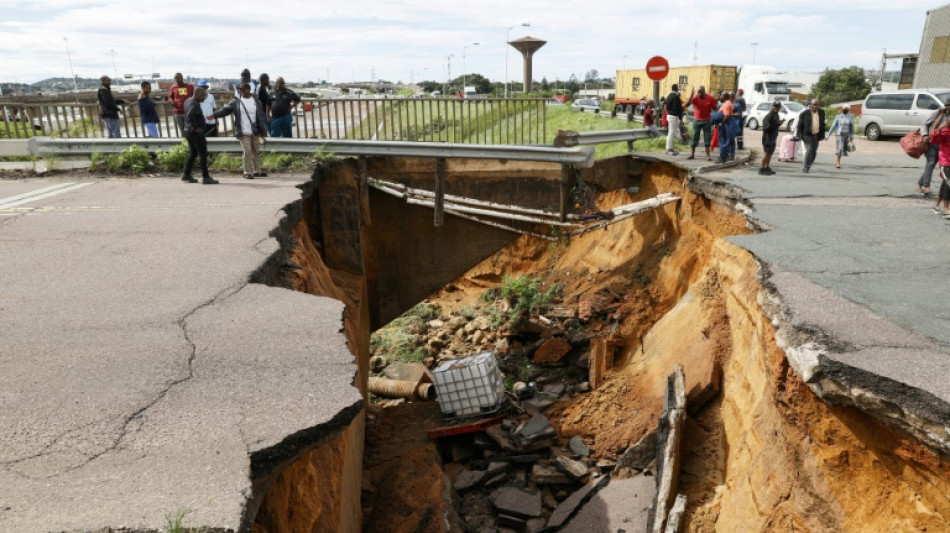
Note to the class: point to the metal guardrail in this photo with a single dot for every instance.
(573, 138)
(471, 121)
(579, 157)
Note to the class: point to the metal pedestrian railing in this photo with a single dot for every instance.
(488, 121)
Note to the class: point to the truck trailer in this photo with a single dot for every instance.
(634, 85)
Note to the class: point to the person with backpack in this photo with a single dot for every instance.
(250, 128)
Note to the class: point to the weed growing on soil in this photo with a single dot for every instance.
(273, 161)
(399, 340)
(134, 158)
(174, 159)
(175, 523)
(226, 163)
(526, 294)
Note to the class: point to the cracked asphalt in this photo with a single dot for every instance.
(139, 370)
(858, 253)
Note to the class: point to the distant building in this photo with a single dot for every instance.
(933, 61)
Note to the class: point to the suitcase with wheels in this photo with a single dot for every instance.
(787, 150)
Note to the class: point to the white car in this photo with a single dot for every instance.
(788, 112)
(586, 104)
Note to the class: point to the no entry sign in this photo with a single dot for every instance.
(657, 68)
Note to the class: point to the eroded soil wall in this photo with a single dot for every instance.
(762, 451)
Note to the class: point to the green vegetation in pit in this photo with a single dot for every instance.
(524, 295)
(400, 340)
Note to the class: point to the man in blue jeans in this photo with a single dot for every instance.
(109, 108)
(284, 102)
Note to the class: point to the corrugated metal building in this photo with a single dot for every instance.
(933, 63)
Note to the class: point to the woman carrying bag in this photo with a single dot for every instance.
(843, 126)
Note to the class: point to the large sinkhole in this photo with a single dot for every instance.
(594, 334)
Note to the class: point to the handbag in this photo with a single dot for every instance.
(914, 144)
(850, 145)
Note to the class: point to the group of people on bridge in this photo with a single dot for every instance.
(259, 112)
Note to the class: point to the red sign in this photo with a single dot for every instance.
(657, 68)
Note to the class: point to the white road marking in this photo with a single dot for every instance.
(25, 198)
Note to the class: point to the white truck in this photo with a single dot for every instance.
(470, 93)
(760, 83)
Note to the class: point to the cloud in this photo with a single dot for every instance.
(399, 39)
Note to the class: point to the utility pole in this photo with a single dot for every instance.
(463, 63)
(73, 73)
(754, 46)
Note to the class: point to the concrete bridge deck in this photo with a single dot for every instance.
(141, 374)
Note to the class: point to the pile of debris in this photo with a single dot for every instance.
(552, 344)
(515, 475)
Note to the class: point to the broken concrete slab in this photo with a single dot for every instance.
(178, 396)
(468, 480)
(674, 520)
(535, 429)
(535, 406)
(641, 455)
(624, 504)
(575, 469)
(543, 474)
(669, 435)
(578, 446)
(566, 509)
(517, 501)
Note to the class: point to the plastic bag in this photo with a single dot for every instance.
(913, 144)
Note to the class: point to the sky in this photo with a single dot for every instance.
(412, 40)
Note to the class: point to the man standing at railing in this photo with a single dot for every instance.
(109, 108)
(177, 95)
(208, 107)
(250, 127)
(282, 110)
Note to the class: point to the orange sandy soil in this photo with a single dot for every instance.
(764, 455)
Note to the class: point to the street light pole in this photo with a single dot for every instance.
(507, 46)
(114, 68)
(464, 71)
(754, 46)
(448, 71)
(70, 57)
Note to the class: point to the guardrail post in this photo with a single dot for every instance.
(439, 191)
(363, 182)
(565, 178)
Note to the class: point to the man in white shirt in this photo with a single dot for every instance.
(250, 127)
(207, 107)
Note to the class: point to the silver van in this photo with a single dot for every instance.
(898, 112)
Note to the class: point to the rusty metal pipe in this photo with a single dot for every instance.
(396, 389)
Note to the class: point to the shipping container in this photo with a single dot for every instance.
(633, 84)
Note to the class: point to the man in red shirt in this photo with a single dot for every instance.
(177, 95)
(703, 104)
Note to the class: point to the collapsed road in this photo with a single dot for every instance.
(158, 365)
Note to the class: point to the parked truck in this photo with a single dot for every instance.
(634, 85)
(760, 83)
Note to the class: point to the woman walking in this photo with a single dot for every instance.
(932, 123)
(843, 127)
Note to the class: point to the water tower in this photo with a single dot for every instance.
(527, 46)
